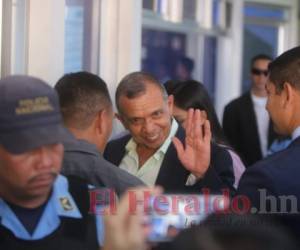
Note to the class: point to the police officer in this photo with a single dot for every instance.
(39, 208)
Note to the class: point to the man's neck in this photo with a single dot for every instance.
(33, 202)
(144, 153)
(86, 135)
(258, 92)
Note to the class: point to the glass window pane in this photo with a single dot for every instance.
(74, 23)
(216, 12)
(161, 51)
(148, 4)
(81, 35)
(189, 9)
(228, 9)
(158, 6)
(221, 14)
(258, 39)
(209, 65)
(19, 29)
(161, 5)
(259, 11)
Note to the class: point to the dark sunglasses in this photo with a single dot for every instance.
(255, 71)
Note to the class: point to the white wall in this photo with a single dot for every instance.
(1, 38)
(33, 40)
(46, 39)
(229, 61)
(120, 45)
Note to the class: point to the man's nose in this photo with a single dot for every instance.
(148, 126)
(45, 158)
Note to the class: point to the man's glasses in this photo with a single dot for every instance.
(257, 72)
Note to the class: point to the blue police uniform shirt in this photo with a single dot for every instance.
(50, 218)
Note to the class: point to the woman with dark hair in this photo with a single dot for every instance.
(192, 94)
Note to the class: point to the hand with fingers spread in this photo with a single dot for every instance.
(124, 230)
(195, 154)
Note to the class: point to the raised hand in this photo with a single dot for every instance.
(195, 154)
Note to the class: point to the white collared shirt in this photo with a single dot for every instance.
(262, 119)
(149, 171)
(296, 133)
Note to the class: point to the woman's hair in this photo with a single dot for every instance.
(192, 94)
(171, 85)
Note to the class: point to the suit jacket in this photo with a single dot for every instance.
(267, 183)
(240, 128)
(84, 160)
(173, 176)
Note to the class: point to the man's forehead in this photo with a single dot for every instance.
(142, 106)
(135, 109)
(262, 62)
(152, 92)
(153, 89)
(5, 154)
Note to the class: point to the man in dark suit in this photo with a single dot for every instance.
(246, 123)
(148, 152)
(272, 185)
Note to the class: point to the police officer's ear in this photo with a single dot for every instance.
(100, 129)
(288, 94)
(101, 121)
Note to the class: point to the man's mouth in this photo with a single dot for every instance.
(43, 179)
(152, 138)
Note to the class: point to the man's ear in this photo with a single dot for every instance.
(288, 94)
(100, 121)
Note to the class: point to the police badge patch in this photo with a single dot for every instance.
(66, 204)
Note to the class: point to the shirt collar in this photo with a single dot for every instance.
(60, 204)
(60, 197)
(173, 130)
(131, 145)
(64, 202)
(296, 133)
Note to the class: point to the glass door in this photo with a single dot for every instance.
(262, 34)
